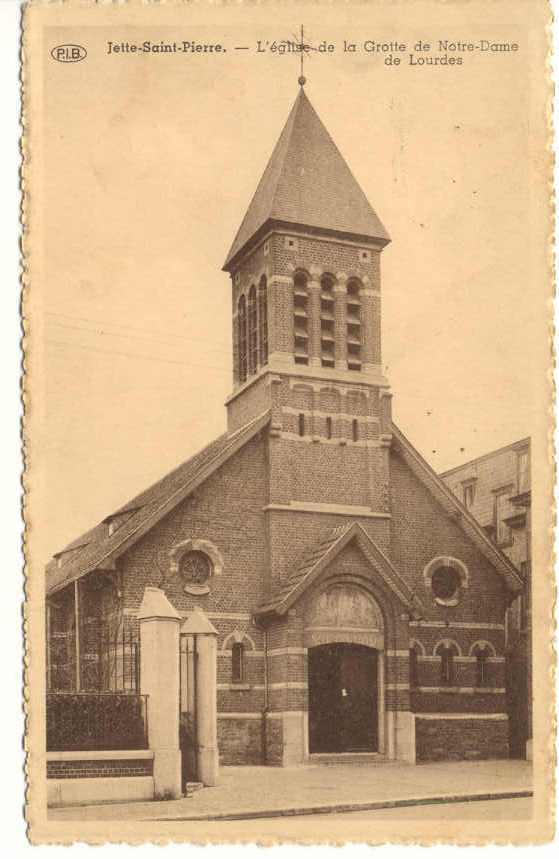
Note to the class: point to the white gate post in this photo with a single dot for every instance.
(160, 680)
(206, 694)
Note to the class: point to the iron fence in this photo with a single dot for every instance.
(109, 660)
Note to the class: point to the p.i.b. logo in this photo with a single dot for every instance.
(68, 53)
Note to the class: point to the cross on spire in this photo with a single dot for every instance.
(302, 47)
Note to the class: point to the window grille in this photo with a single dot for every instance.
(242, 323)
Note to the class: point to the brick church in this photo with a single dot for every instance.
(360, 608)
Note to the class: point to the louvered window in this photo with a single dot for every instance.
(242, 323)
(263, 319)
(327, 320)
(353, 320)
(252, 332)
(301, 318)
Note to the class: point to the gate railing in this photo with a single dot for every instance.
(188, 737)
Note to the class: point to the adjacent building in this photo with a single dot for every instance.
(495, 488)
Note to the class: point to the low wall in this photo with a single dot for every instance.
(461, 738)
(84, 777)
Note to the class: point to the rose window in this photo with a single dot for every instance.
(195, 568)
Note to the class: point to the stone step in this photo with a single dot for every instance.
(354, 758)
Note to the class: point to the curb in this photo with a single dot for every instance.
(343, 807)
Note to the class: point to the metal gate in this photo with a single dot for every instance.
(188, 737)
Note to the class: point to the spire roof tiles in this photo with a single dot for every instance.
(307, 183)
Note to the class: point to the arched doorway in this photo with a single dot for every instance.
(343, 698)
(344, 635)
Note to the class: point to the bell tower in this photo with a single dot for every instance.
(306, 299)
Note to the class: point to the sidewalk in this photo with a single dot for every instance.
(250, 792)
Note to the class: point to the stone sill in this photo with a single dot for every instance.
(240, 687)
(114, 755)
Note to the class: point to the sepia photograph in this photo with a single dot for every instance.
(288, 412)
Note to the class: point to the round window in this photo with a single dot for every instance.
(195, 568)
(445, 583)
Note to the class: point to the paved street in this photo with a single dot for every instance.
(250, 791)
(495, 809)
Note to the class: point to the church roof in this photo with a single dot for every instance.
(322, 554)
(99, 547)
(450, 503)
(307, 183)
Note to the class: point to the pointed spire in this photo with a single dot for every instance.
(307, 183)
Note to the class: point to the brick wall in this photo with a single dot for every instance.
(117, 768)
(461, 739)
(421, 530)
(226, 510)
(241, 742)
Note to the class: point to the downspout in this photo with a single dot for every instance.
(264, 725)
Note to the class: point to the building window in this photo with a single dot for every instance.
(445, 583)
(301, 318)
(502, 530)
(328, 427)
(252, 332)
(263, 319)
(414, 667)
(327, 340)
(447, 652)
(301, 424)
(355, 429)
(353, 319)
(447, 578)
(469, 494)
(523, 471)
(237, 663)
(242, 323)
(525, 607)
(482, 655)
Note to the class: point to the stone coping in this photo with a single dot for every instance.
(111, 755)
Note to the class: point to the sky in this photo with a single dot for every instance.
(148, 166)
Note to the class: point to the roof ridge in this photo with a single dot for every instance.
(281, 143)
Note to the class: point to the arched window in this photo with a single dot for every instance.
(447, 651)
(263, 319)
(414, 666)
(327, 320)
(301, 424)
(237, 663)
(482, 654)
(328, 427)
(353, 324)
(252, 332)
(355, 429)
(301, 318)
(242, 323)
